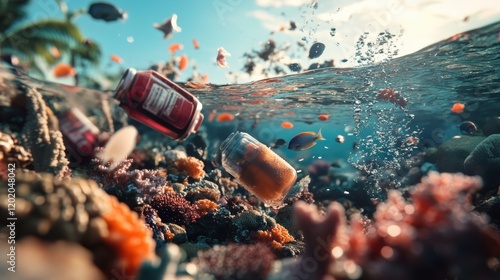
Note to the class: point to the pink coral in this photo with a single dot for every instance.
(436, 236)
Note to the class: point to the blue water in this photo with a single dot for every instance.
(464, 70)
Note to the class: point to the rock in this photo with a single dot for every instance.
(451, 154)
(180, 235)
(484, 161)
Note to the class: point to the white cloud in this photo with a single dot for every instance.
(268, 20)
(281, 3)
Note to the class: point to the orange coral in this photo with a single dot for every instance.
(129, 235)
(203, 206)
(191, 166)
(276, 236)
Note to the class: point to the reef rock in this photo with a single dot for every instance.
(451, 154)
(484, 161)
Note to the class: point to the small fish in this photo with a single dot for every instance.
(225, 117)
(304, 140)
(106, 12)
(457, 108)
(294, 67)
(323, 117)
(175, 47)
(169, 26)
(196, 45)
(116, 59)
(316, 50)
(183, 62)
(467, 127)
(63, 70)
(287, 125)
(119, 146)
(340, 139)
(221, 57)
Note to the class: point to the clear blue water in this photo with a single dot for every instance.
(464, 70)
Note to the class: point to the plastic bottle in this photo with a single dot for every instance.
(159, 103)
(257, 168)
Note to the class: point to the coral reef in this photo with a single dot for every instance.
(276, 236)
(190, 166)
(173, 208)
(79, 211)
(128, 236)
(451, 154)
(43, 138)
(237, 261)
(436, 236)
(11, 151)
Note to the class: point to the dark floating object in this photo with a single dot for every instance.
(332, 31)
(293, 25)
(295, 67)
(316, 50)
(106, 12)
(344, 60)
(280, 142)
(168, 27)
(313, 66)
(467, 127)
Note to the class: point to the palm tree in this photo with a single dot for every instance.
(33, 40)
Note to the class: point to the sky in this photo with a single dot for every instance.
(242, 25)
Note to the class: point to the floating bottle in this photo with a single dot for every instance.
(80, 135)
(159, 103)
(257, 168)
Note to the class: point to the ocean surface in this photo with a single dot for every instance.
(462, 69)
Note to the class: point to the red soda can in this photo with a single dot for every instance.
(159, 103)
(80, 135)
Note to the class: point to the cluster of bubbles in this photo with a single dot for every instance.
(387, 138)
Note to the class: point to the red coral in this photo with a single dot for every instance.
(191, 166)
(237, 261)
(435, 237)
(173, 208)
(129, 235)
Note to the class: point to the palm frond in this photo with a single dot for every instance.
(89, 51)
(11, 12)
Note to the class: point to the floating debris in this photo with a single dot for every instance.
(119, 146)
(106, 12)
(221, 57)
(316, 50)
(168, 27)
(340, 138)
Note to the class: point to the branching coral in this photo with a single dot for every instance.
(173, 208)
(276, 236)
(190, 166)
(203, 206)
(434, 237)
(237, 261)
(43, 138)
